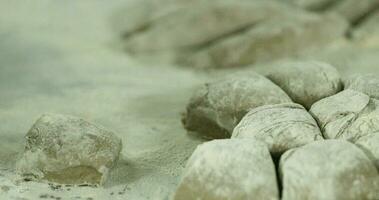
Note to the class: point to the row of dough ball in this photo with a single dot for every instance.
(242, 169)
(67, 149)
(256, 113)
(216, 108)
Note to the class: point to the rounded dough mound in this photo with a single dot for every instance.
(328, 169)
(229, 169)
(281, 127)
(367, 84)
(370, 144)
(306, 81)
(347, 115)
(217, 107)
(68, 150)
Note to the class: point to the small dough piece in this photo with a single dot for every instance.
(367, 83)
(370, 145)
(306, 81)
(229, 169)
(217, 107)
(328, 170)
(68, 150)
(281, 127)
(347, 115)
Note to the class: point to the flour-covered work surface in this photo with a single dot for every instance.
(189, 99)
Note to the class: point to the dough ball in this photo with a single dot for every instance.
(370, 145)
(68, 150)
(347, 115)
(328, 169)
(229, 169)
(281, 127)
(306, 81)
(217, 107)
(367, 83)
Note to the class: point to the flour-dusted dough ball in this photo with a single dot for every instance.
(229, 169)
(69, 150)
(328, 170)
(347, 115)
(217, 107)
(367, 83)
(306, 81)
(273, 38)
(281, 127)
(370, 145)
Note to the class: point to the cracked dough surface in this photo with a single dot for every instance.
(347, 115)
(281, 127)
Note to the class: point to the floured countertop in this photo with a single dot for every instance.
(62, 57)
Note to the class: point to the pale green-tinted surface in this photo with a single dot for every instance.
(60, 57)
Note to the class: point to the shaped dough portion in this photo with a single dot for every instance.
(306, 81)
(328, 169)
(69, 150)
(229, 169)
(217, 107)
(347, 115)
(281, 127)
